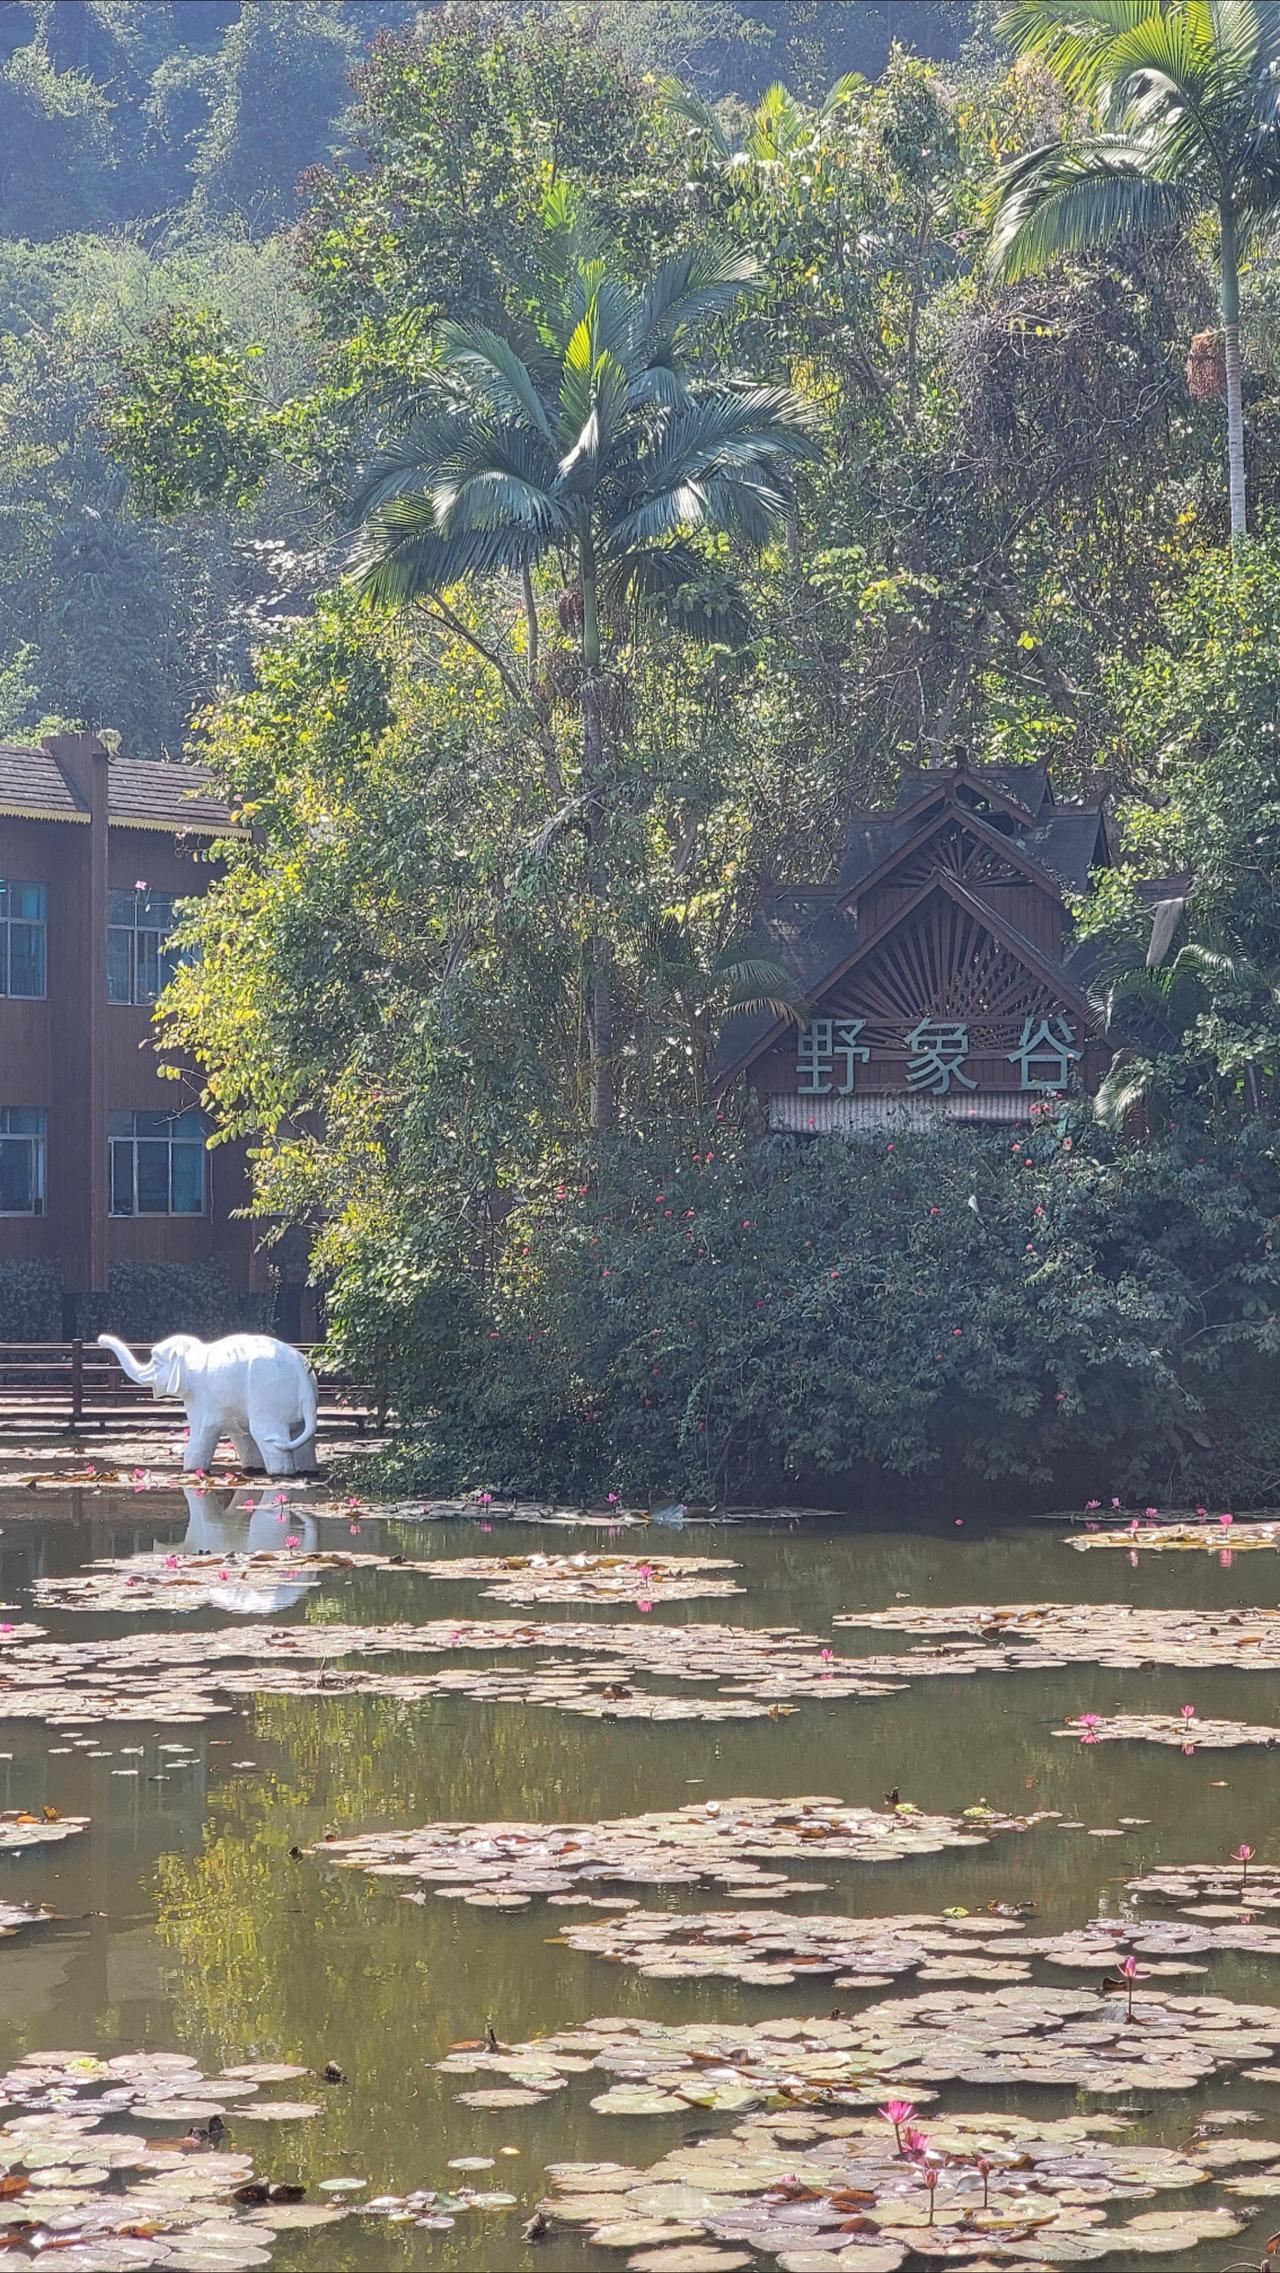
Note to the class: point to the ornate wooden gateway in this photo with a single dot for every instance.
(939, 971)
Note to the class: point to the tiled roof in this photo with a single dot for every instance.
(33, 786)
(147, 796)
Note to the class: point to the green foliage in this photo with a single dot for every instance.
(30, 1302)
(185, 419)
(728, 1318)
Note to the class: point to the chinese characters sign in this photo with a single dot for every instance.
(829, 1052)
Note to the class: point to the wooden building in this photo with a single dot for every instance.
(102, 1161)
(939, 969)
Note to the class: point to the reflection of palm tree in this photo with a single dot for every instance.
(1186, 96)
(592, 442)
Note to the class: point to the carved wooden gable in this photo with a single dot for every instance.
(935, 980)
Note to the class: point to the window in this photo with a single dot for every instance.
(157, 1163)
(22, 936)
(21, 1160)
(140, 962)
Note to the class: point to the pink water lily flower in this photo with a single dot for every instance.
(897, 2112)
(914, 2143)
(1188, 1712)
(1226, 1521)
(1244, 1856)
(293, 1540)
(644, 1606)
(171, 1562)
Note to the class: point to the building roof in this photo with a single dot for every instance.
(140, 794)
(34, 787)
(815, 931)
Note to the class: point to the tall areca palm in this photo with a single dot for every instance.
(593, 442)
(1186, 99)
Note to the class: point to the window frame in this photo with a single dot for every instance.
(133, 933)
(36, 1141)
(10, 923)
(134, 1149)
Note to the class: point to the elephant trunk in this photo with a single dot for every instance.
(144, 1375)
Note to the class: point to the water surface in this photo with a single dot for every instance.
(187, 1926)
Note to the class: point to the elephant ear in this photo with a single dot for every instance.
(167, 1361)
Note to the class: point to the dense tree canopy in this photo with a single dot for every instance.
(1006, 529)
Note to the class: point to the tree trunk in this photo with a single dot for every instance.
(1230, 287)
(599, 953)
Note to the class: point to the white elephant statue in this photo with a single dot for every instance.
(249, 1387)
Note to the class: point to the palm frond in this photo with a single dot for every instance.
(1072, 38)
(1124, 1089)
(676, 583)
(399, 555)
(492, 365)
(1055, 201)
(691, 287)
(683, 103)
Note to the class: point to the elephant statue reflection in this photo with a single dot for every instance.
(246, 1523)
(248, 1387)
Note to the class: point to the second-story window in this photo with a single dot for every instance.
(22, 940)
(157, 1163)
(22, 1131)
(140, 962)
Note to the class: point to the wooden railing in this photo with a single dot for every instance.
(75, 1385)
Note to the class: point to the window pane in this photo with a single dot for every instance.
(120, 1124)
(26, 959)
(148, 967)
(119, 986)
(120, 906)
(23, 1120)
(121, 1175)
(27, 901)
(189, 1125)
(153, 1178)
(17, 1194)
(151, 1124)
(188, 1179)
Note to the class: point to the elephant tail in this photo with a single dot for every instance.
(309, 1402)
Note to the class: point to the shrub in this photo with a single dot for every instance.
(30, 1302)
(145, 1301)
(737, 1317)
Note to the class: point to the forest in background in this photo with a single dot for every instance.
(1004, 526)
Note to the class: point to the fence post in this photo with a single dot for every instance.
(77, 1382)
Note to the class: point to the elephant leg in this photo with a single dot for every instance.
(201, 1444)
(304, 1457)
(247, 1452)
(277, 1454)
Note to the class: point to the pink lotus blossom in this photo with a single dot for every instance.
(826, 1655)
(293, 1540)
(1088, 1720)
(171, 1562)
(1090, 1505)
(1226, 1521)
(1188, 1712)
(1244, 1856)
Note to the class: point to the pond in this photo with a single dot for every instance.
(193, 1916)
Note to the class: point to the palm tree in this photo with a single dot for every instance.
(1153, 1011)
(1186, 94)
(706, 988)
(595, 442)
